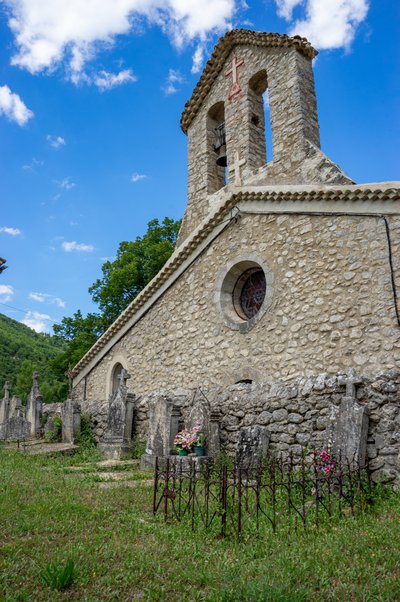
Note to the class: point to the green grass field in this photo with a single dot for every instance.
(49, 514)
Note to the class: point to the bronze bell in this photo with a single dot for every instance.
(221, 159)
(220, 145)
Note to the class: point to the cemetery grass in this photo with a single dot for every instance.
(121, 552)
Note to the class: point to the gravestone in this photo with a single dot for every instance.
(164, 423)
(115, 443)
(347, 431)
(34, 406)
(199, 413)
(16, 408)
(252, 446)
(5, 403)
(207, 420)
(130, 415)
(70, 421)
(16, 428)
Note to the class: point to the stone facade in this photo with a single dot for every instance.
(332, 309)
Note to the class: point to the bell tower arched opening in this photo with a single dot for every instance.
(260, 133)
(216, 148)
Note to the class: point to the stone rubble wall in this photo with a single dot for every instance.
(331, 309)
(296, 414)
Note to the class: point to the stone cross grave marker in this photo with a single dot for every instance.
(207, 420)
(115, 443)
(199, 413)
(235, 88)
(347, 431)
(71, 421)
(238, 163)
(252, 446)
(34, 406)
(5, 403)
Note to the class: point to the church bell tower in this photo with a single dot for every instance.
(225, 117)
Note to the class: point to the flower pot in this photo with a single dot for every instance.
(182, 452)
(199, 451)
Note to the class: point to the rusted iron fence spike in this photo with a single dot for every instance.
(298, 492)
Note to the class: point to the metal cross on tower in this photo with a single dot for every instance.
(235, 88)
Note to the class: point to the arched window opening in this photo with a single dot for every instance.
(260, 123)
(216, 148)
(115, 377)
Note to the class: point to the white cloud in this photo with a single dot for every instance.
(45, 297)
(197, 59)
(105, 80)
(174, 77)
(66, 183)
(285, 7)
(71, 32)
(136, 177)
(75, 246)
(13, 107)
(6, 293)
(11, 231)
(55, 141)
(328, 24)
(37, 321)
(32, 165)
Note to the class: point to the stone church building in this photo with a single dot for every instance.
(283, 279)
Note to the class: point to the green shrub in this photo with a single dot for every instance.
(86, 439)
(138, 448)
(55, 434)
(59, 577)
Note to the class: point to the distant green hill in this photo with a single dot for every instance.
(23, 350)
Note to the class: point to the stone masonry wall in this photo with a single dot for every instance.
(295, 412)
(331, 309)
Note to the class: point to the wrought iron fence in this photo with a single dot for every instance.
(269, 496)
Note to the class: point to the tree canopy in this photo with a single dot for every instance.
(137, 262)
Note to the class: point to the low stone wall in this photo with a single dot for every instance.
(296, 412)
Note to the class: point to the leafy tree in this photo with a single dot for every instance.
(51, 388)
(80, 333)
(137, 262)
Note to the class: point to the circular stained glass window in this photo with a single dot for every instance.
(249, 293)
(244, 291)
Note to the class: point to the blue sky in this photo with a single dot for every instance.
(90, 99)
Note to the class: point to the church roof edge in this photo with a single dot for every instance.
(222, 49)
(385, 191)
